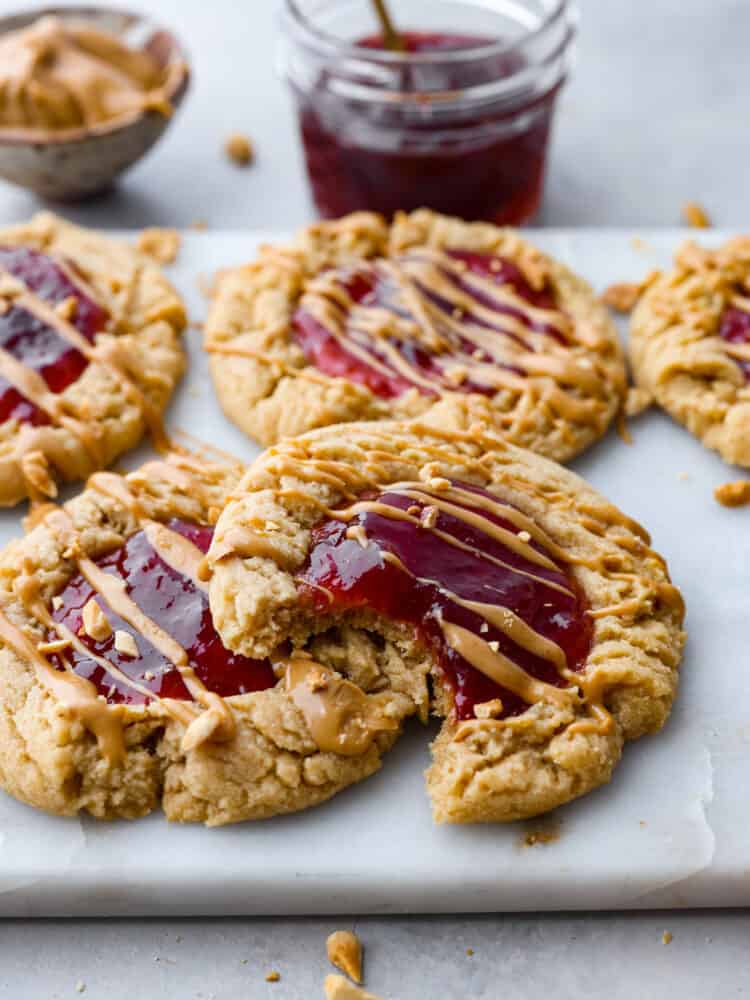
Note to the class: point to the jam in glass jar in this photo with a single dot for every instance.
(458, 121)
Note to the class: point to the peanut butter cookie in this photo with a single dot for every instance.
(116, 693)
(550, 628)
(431, 316)
(89, 353)
(690, 345)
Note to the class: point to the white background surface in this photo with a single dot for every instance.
(656, 115)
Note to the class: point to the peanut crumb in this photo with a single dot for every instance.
(489, 709)
(125, 643)
(622, 296)
(338, 988)
(317, 680)
(162, 245)
(66, 309)
(344, 950)
(695, 215)
(149, 675)
(95, 623)
(414, 511)
(429, 516)
(469, 952)
(484, 627)
(666, 937)
(239, 149)
(439, 483)
(524, 536)
(735, 494)
(57, 602)
(494, 645)
(273, 976)
(637, 400)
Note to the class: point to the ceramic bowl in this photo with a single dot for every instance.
(76, 163)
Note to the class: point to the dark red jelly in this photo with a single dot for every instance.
(369, 286)
(735, 329)
(35, 343)
(357, 577)
(43, 276)
(434, 140)
(178, 607)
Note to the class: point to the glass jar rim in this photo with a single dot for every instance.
(324, 42)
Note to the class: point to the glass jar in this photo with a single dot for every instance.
(458, 122)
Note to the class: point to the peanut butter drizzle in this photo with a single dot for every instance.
(176, 551)
(338, 714)
(502, 670)
(58, 75)
(77, 694)
(219, 724)
(109, 355)
(507, 341)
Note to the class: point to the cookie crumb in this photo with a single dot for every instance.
(546, 834)
(162, 245)
(338, 988)
(637, 400)
(95, 623)
(735, 494)
(622, 296)
(666, 937)
(273, 976)
(239, 149)
(125, 643)
(344, 950)
(695, 215)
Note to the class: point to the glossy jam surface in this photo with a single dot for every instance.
(735, 329)
(178, 607)
(35, 343)
(343, 575)
(369, 287)
(478, 162)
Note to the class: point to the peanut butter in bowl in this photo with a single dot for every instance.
(84, 92)
(57, 76)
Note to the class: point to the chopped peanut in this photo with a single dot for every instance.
(239, 149)
(735, 494)
(125, 643)
(621, 296)
(695, 215)
(345, 952)
(95, 623)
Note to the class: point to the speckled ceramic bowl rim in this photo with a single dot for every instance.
(175, 87)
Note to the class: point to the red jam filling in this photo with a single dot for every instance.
(36, 344)
(476, 163)
(357, 577)
(178, 607)
(369, 287)
(735, 329)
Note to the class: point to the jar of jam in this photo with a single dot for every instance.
(457, 120)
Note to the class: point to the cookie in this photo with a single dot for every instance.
(89, 353)
(690, 345)
(548, 627)
(116, 693)
(431, 316)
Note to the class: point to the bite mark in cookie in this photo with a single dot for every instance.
(83, 369)
(117, 693)
(551, 629)
(463, 321)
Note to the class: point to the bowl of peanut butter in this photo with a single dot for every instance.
(85, 92)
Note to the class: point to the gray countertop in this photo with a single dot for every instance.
(654, 117)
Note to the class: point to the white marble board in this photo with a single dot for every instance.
(670, 829)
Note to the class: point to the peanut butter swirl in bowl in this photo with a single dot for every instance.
(84, 92)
